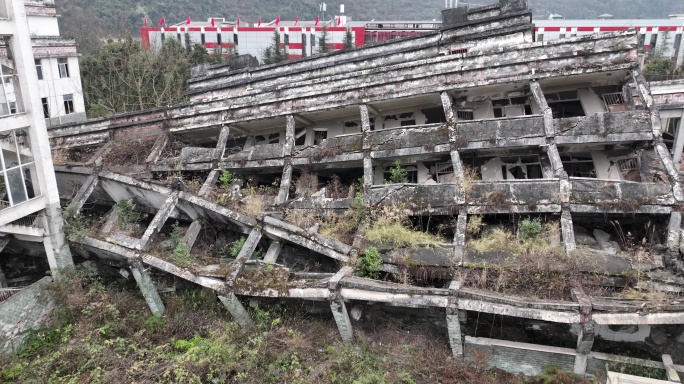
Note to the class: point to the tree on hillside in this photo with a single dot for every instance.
(124, 77)
(323, 41)
(348, 39)
(274, 53)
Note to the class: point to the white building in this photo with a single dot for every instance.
(30, 210)
(57, 69)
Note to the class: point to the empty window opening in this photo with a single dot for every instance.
(408, 123)
(521, 168)
(63, 66)
(672, 125)
(46, 107)
(203, 39)
(235, 38)
(459, 51)
(219, 39)
(300, 137)
(565, 104)
(434, 115)
(511, 107)
(540, 37)
(68, 104)
(579, 165)
(320, 135)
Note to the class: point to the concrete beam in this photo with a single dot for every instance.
(84, 192)
(568, 232)
(674, 232)
(273, 252)
(344, 325)
(222, 142)
(244, 255)
(540, 99)
(237, 310)
(157, 149)
(209, 183)
(304, 120)
(286, 179)
(460, 235)
(149, 291)
(453, 320)
(192, 233)
(158, 222)
(109, 224)
(672, 374)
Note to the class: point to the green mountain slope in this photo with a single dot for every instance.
(112, 17)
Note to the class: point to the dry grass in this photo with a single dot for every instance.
(391, 227)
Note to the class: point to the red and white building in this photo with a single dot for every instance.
(301, 40)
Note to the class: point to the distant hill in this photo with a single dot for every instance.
(88, 18)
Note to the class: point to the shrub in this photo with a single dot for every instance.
(307, 184)
(370, 264)
(125, 209)
(398, 174)
(181, 251)
(226, 178)
(236, 247)
(530, 228)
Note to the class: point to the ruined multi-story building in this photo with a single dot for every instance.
(520, 194)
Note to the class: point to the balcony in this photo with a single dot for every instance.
(592, 195)
(604, 127)
(258, 156)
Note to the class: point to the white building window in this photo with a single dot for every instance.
(68, 104)
(16, 165)
(63, 65)
(46, 107)
(39, 69)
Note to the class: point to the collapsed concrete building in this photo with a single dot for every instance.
(460, 136)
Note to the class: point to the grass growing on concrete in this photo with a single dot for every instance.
(533, 241)
(390, 226)
(104, 334)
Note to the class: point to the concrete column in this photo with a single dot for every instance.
(109, 224)
(157, 149)
(367, 159)
(585, 338)
(222, 141)
(244, 255)
(460, 235)
(344, 325)
(58, 242)
(286, 180)
(158, 222)
(237, 310)
(192, 233)
(568, 232)
(209, 183)
(149, 291)
(84, 192)
(273, 252)
(448, 107)
(337, 305)
(453, 320)
(672, 374)
(674, 232)
(540, 99)
(672, 171)
(556, 162)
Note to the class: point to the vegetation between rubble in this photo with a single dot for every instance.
(103, 333)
